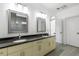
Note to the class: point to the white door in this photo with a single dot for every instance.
(53, 27)
(59, 30)
(72, 31)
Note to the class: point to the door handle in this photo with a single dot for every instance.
(54, 33)
(61, 32)
(78, 33)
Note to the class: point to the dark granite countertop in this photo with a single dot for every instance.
(12, 42)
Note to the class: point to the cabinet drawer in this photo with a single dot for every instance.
(52, 38)
(19, 47)
(37, 42)
(3, 52)
(14, 54)
(14, 48)
(26, 45)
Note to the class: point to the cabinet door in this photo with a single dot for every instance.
(41, 47)
(44, 46)
(27, 51)
(47, 45)
(15, 54)
(37, 47)
(30, 51)
(3, 52)
(52, 43)
(14, 50)
(36, 50)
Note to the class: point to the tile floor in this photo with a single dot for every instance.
(65, 50)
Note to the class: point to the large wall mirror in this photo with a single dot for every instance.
(41, 24)
(17, 22)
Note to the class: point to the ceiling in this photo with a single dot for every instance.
(52, 8)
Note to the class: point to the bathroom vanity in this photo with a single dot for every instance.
(29, 45)
(24, 47)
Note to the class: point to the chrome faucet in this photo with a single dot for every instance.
(19, 36)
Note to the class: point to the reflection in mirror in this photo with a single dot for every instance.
(41, 24)
(18, 22)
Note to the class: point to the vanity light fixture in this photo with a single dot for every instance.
(41, 15)
(25, 9)
(12, 6)
(17, 22)
(52, 18)
(19, 7)
(23, 22)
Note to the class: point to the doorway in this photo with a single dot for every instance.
(71, 31)
(52, 27)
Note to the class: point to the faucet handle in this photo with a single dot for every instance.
(19, 36)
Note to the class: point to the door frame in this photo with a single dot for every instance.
(64, 25)
(55, 26)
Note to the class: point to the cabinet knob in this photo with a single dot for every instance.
(39, 48)
(49, 44)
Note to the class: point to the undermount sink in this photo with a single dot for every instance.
(44, 36)
(18, 41)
